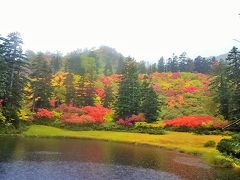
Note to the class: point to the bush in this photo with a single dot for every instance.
(57, 115)
(63, 108)
(109, 117)
(210, 144)
(25, 114)
(96, 112)
(220, 161)
(43, 114)
(2, 118)
(131, 120)
(179, 129)
(188, 121)
(230, 146)
(216, 123)
(111, 126)
(76, 119)
(157, 124)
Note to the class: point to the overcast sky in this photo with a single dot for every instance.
(144, 29)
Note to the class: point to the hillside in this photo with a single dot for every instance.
(181, 93)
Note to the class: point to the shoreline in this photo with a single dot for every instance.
(188, 143)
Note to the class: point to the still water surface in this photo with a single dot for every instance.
(49, 158)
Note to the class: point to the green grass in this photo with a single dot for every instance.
(183, 141)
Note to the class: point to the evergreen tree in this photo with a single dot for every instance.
(149, 101)
(128, 100)
(74, 62)
(90, 91)
(85, 92)
(120, 66)
(161, 65)
(153, 68)
(70, 89)
(41, 82)
(89, 76)
(202, 65)
(233, 73)
(81, 92)
(108, 69)
(56, 62)
(13, 76)
(108, 99)
(142, 67)
(221, 89)
(172, 64)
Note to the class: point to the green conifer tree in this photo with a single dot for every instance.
(128, 100)
(149, 101)
(13, 76)
(233, 73)
(221, 89)
(70, 89)
(40, 82)
(108, 99)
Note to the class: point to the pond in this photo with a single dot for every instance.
(49, 158)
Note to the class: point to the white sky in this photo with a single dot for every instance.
(144, 29)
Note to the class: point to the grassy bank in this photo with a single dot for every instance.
(186, 142)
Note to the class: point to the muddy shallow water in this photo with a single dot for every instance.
(49, 158)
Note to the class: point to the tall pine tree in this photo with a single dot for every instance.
(128, 100)
(233, 73)
(13, 76)
(40, 82)
(161, 65)
(221, 89)
(70, 89)
(149, 101)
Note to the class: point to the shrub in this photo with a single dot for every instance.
(83, 119)
(69, 109)
(219, 160)
(216, 123)
(188, 121)
(129, 121)
(230, 146)
(43, 114)
(157, 124)
(25, 114)
(109, 117)
(2, 118)
(100, 92)
(96, 112)
(57, 115)
(210, 144)
(111, 126)
(190, 89)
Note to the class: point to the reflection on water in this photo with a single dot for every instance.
(45, 158)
